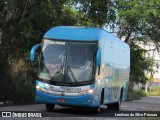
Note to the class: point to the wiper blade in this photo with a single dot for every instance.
(72, 74)
(57, 72)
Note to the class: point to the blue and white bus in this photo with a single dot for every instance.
(81, 66)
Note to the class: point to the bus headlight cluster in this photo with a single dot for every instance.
(40, 88)
(90, 91)
(37, 87)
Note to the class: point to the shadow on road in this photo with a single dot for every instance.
(80, 111)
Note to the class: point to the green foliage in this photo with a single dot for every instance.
(139, 65)
(155, 91)
(19, 86)
(25, 22)
(101, 12)
(136, 94)
(139, 22)
(140, 19)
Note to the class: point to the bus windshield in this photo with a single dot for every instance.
(67, 62)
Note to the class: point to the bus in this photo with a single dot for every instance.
(81, 66)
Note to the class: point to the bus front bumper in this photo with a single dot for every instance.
(86, 100)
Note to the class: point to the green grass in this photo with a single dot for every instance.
(155, 91)
(136, 94)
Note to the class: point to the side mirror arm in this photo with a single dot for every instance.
(33, 52)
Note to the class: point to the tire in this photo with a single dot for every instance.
(118, 104)
(50, 107)
(96, 110)
(110, 106)
(115, 106)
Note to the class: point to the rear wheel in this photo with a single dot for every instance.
(110, 106)
(113, 106)
(50, 107)
(118, 104)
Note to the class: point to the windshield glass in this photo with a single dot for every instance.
(67, 62)
(52, 59)
(81, 59)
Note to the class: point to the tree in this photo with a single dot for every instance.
(139, 22)
(140, 65)
(139, 19)
(101, 12)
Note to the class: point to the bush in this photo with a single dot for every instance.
(20, 85)
(136, 94)
(22, 81)
(155, 91)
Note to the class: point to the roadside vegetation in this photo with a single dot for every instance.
(155, 91)
(137, 94)
(24, 22)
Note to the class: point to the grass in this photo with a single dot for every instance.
(155, 91)
(136, 94)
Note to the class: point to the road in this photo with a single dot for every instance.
(145, 104)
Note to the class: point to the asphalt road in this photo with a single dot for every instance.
(68, 113)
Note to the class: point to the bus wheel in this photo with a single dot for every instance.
(50, 107)
(96, 110)
(110, 106)
(118, 104)
(114, 106)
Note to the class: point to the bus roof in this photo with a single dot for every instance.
(79, 33)
(74, 33)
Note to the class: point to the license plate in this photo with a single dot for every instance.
(62, 100)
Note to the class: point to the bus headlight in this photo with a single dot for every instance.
(40, 88)
(90, 91)
(37, 87)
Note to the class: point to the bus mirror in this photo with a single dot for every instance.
(98, 57)
(33, 52)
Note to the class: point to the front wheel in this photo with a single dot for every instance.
(50, 107)
(96, 110)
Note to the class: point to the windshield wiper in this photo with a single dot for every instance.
(72, 74)
(57, 72)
